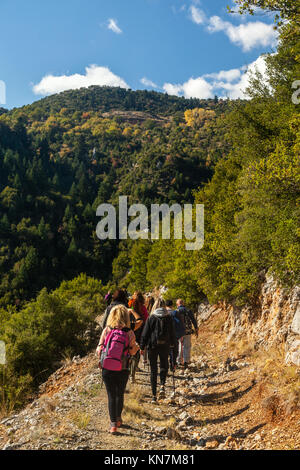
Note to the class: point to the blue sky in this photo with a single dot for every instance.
(188, 48)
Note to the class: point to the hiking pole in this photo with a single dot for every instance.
(173, 371)
(174, 388)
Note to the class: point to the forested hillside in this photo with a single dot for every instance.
(251, 203)
(62, 156)
(59, 159)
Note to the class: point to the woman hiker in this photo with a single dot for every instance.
(149, 302)
(119, 297)
(117, 344)
(139, 316)
(159, 336)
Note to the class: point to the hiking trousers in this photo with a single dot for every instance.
(115, 383)
(161, 351)
(185, 345)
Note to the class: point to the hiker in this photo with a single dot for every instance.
(185, 343)
(117, 344)
(139, 316)
(139, 305)
(119, 297)
(149, 303)
(179, 332)
(159, 336)
(108, 298)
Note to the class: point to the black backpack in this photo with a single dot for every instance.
(188, 324)
(161, 331)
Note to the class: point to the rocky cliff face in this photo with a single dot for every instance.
(274, 321)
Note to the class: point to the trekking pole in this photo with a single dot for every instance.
(173, 371)
(174, 387)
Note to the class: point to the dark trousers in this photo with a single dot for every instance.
(174, 355)
(115, 383)
(161, 351)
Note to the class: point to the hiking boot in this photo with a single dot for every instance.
(119, 423)
(185, 365)
(162, 392)
(154, 400)
(113, 429)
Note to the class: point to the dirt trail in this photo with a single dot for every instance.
(219, 404)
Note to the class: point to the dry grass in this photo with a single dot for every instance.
(275, 372)
(134, 409)
(217, 325)
(67, 357)
(242, 347)
(278, 383)
(80, 419)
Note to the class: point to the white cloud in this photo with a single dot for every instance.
(197, 16)
(237, 90)
(248, 35)
(227, 75)
(112, 25)
(197, 88)
(172, 89)
(193, 88)
(232, 83)
(145, 81)
(94, 75)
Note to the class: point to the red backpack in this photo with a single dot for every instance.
(115, 355)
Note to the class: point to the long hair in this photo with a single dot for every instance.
(120, 296)
(149, 303)
(137, 302)
(119, 317)
(159, 303)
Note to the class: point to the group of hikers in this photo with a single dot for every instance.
(137, 327)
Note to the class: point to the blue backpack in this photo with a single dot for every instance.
(178, 323)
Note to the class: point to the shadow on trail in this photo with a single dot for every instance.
(240, 434)
(215, 384)
(222, 398)
(221, 419)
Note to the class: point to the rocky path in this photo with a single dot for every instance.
(219, 404)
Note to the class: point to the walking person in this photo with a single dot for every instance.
(149, 302)
(108, 298)
(139, 316)
(159, 337)
(190, 327)
(117, 344)
(179, 332)
(119, 297)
